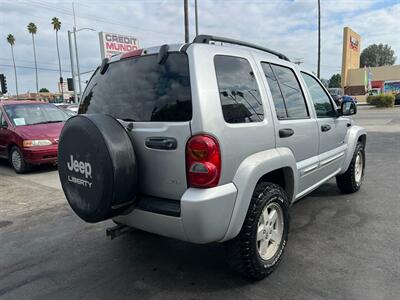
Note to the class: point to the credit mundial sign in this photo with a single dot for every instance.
(114, 43)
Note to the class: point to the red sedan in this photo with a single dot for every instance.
(29, 133)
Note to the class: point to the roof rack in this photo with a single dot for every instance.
(205, 39)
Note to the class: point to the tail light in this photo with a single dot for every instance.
(133, 53)
(203, 161)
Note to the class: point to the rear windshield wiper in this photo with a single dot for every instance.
(128, 120)
(46, 122)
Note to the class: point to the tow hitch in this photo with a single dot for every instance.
(117, 230)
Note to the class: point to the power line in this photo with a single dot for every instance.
(45, 5)
(95, 18)
(43, 69)
(27, 67)
(43, 64)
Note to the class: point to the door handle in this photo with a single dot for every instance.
(162, 143)
(325, 127)
(286, 132)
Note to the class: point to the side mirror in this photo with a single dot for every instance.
(348, 108)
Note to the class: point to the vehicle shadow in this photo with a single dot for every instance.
(328, 189)
(36, 169)
(175, 267)
(143, 265)
(168, 264)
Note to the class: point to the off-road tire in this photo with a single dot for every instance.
(21, 168)
(346, 182)
(242, 251)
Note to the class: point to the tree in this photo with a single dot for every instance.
(32, 29)
(11, 41)
(335, 81)
(57, 26)
(377, 55)
(44, 90)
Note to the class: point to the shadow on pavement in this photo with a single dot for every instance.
(37, 169)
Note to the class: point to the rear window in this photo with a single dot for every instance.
(139, 89)
(238, 90)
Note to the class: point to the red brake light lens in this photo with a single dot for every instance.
(203, 161)
(132, 53)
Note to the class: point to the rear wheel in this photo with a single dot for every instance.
(258, 249)
(17, 161)
(351, 180)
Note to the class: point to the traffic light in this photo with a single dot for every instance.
(70, 84)
(3, 84)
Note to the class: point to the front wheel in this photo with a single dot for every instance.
(351, 180)
(258, 249)
(17, 161)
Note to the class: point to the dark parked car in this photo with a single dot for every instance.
(29, 133)
(397, 99)
(337, 94)
(347, 98)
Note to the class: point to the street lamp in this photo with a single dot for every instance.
(75, 30)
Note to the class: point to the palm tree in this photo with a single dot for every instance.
(32, 29)
(11, 41)
(57, 26)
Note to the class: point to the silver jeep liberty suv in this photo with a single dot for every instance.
(210, 141)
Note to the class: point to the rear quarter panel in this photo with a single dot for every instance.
(237, 141)
(249, 173)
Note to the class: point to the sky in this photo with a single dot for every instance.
(288, 26)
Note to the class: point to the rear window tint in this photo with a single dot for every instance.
(291, 91)
(286, 92)
(139, 89)
(279, 102)
(238, 90)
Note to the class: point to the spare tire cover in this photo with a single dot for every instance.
(97, 167)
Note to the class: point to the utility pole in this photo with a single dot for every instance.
(77, 65)
(196, 17)
(319, 40)
(15, 72)
(186, 21)
(76, 54)
(72, 65)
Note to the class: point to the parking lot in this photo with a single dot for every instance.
(340, 246)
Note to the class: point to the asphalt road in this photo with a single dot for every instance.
(340, 246)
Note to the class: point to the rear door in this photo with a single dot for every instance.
(153, 100)
(332, 128)
(296, 127)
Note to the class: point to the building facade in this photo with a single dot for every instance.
(357, 81)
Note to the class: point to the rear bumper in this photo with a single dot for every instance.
(205, 215)
(40, 155)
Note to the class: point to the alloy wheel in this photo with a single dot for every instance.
(270, 230)
(359, 168)
(16, 160)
